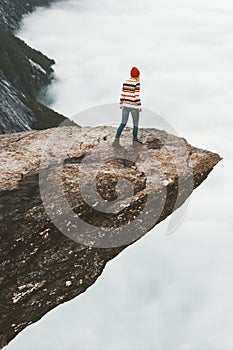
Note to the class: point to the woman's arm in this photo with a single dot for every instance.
(137, 95)
(122, 97)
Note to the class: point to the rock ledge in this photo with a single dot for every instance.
(135, 188)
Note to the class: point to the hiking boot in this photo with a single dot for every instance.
(136, 143)
(116, 143)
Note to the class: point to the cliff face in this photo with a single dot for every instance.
(67, 209)
(24, 75)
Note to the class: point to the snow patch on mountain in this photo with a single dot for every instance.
(37, 66)
(14, 114)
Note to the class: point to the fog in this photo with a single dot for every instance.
(166, 291)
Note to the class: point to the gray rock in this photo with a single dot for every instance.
(63, 216)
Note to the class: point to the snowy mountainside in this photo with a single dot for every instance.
(13, 109)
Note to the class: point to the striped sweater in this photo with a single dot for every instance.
(130, 94)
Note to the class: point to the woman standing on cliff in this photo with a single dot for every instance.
(130, 103)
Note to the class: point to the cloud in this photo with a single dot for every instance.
(167, 292)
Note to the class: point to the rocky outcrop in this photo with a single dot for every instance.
(24, 76)
(70, 202)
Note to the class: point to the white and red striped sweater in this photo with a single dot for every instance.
(130, 93)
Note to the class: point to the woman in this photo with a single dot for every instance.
(130, 103)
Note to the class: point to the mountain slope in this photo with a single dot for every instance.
(24, 76)
(12, 11)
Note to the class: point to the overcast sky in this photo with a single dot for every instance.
(170, 292)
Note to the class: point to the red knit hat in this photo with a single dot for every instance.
(135, 72)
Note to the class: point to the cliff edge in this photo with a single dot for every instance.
(70, 202)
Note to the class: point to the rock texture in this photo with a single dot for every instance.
(41, 267)
(24, 75)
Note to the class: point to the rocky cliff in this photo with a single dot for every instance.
(70, 202)
(24, 75)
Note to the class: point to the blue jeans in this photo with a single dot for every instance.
(124, 120)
